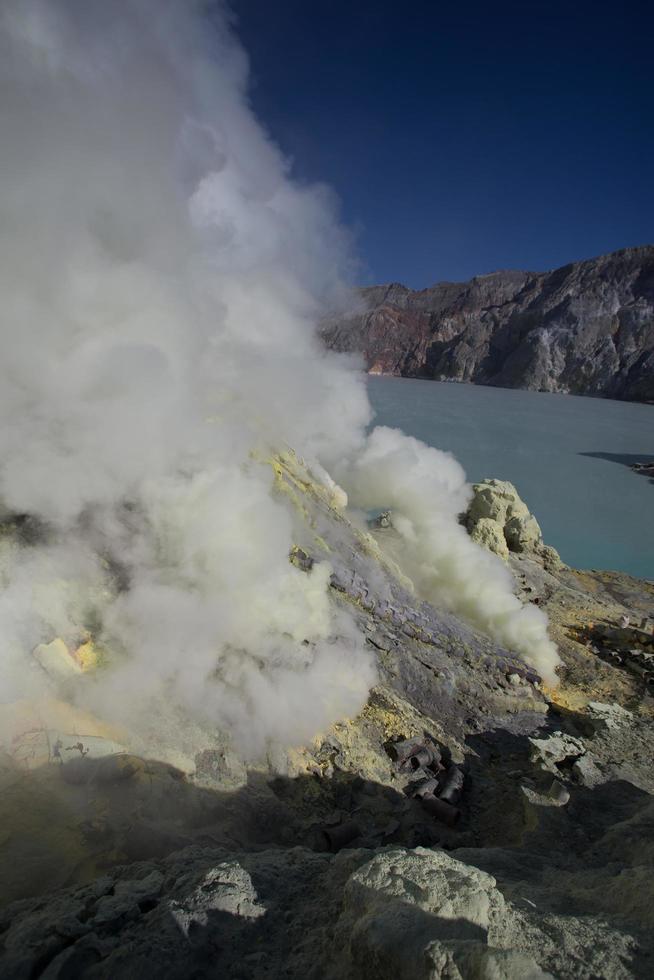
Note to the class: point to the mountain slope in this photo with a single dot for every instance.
(586, 328)
(328, 860)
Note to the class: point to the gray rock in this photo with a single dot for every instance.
(421, 914)
(432, 881)
(587, 772)
(142, 889)
(587, 328)
(225, 888)
(558, 792)
(555, 748)
(114, 911)
(424, 915)
(608, 716)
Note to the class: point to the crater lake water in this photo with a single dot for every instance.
(568, 457)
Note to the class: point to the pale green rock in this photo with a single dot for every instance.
(498, 520)
(523, 534)
(497, 499)
(488, 533)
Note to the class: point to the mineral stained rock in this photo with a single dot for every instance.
(500, 521)
(587, 328)
(321, 861)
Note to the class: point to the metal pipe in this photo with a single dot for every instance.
(338, 837)
(422, 758)
(427, 788)
(405, 749)
(443, 811)
(452, 785)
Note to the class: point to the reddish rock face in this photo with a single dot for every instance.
(396, 341)
(587, 328)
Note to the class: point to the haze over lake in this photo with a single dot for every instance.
(568, 457)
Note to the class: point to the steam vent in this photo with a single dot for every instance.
(467, 819)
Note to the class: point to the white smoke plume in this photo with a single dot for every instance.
(161, 280)
(427, 490)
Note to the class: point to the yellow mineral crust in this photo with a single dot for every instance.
(309, 496)
(87, 655)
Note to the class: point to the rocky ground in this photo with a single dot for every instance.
(325, 862)
(587, 328)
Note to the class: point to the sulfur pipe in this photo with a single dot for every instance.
(452, 785)
(443, 811)
(338, 837)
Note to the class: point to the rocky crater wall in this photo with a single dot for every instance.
(586, 328)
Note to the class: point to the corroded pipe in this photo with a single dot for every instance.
(405, 749)
(443, 811)
(421, 758)
(452, 785)
(427, 788)
(338, 837)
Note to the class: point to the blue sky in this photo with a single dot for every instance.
(464, 137)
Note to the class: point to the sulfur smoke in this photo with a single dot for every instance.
(161, 279)
(427, 490)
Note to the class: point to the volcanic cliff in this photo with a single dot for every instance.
(586, 328)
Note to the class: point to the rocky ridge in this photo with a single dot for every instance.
(586, 328)
(500, 521)
(323, 862)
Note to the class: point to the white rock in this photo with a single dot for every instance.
(56, 660)
(523, 533)
(498, 500)
(555, 748)
(489, 534)
(423, 915)
(224, 888)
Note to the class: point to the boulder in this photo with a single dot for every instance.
(489, 534)
(423, 915)
(500, 521)
(432, 881)
(497, 499)
(227, 888)
(523, 533)
(555, 748)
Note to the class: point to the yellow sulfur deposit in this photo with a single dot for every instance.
(87, 655)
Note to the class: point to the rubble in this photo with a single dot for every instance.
(437, 786)
(628, 647)
(393, 914)
(467, 823)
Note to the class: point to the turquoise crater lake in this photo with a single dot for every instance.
(568, 457)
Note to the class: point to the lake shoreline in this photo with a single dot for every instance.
(372, 373)
(570, 457)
